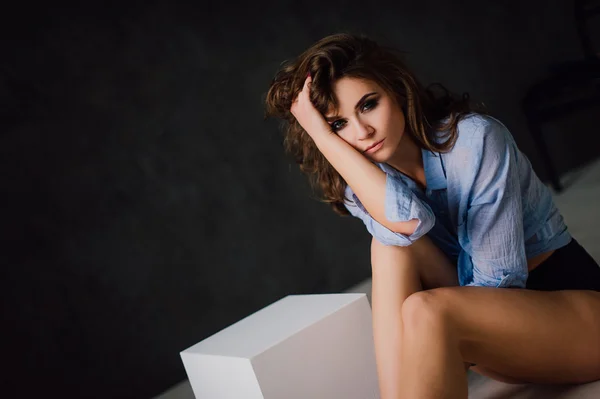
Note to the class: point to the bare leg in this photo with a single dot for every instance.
(431, 347)
(399, 272)
(524, 335)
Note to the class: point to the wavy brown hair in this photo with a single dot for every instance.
(429, 115)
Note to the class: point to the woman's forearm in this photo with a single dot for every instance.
(364, 178)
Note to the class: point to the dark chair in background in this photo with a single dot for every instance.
(570, 87)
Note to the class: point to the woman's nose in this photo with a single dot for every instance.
(363, 130)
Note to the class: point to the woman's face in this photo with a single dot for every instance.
(367, 116)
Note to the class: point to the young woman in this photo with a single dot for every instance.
(456, 212)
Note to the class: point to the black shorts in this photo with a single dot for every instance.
(568, 268)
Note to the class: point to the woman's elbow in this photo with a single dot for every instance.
(406, 228)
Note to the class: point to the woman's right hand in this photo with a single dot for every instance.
(307, 115)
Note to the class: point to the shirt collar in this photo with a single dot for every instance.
(388, 169)
(434, 171)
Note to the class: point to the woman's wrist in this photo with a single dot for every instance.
(322, 135)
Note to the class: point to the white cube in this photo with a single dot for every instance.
(302, 346)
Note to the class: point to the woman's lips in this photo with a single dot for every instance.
(375, 147)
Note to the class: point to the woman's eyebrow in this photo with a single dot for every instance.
(357, 106)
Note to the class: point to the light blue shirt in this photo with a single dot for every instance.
(484, 206)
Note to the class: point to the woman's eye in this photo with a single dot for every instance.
(369, 104)
(337, 125)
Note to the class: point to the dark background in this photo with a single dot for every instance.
(146, 204)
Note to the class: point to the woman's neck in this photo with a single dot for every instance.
(408, 159)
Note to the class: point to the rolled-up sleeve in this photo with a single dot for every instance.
(493, 230)
(401, 205)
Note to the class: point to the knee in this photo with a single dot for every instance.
(422, 310)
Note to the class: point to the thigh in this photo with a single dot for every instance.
(526, 335)
(570, 267)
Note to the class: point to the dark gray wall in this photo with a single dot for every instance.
(147, 205)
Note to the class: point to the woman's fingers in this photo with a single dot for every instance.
(305, 112)
(305, 88)
(307, 82)
(303, 95)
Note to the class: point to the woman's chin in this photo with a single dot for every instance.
(380, 156)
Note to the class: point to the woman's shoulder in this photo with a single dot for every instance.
(474, 131)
